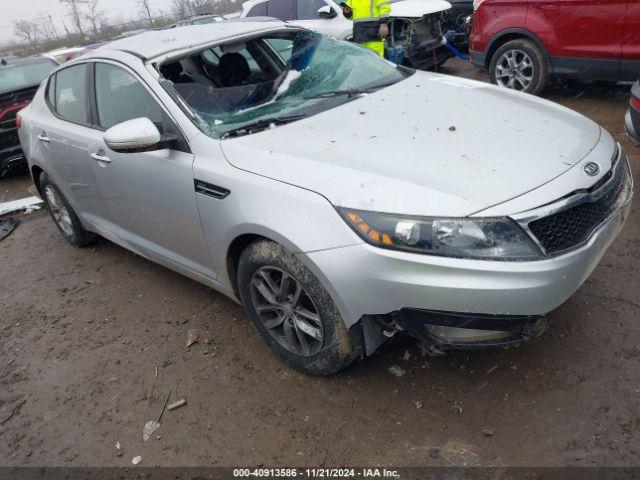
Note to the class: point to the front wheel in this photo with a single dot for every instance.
(292, 310)
(519, 65)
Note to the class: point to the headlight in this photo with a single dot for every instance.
(483, 239)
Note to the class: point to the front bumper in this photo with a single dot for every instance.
(373, 283)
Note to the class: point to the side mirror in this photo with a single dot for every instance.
(137, 135)
(327, 12)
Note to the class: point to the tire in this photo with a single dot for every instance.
(262, 268)
(525, 72)
(63, 215)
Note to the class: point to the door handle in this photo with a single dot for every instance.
(100, 158)
(43, 138)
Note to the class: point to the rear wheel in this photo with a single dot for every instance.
(519, 65)
(292, 311)
(63, 215)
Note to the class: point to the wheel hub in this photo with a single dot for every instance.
(287, 311)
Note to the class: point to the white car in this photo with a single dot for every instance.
(416, 37)
(340, 198)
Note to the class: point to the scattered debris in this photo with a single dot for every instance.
(164, 406)
(8, 414)
(492, 369)
(407, 356)
(487, 433)
(7, 225)
(456, 410)
(482, 386)
(433, 452)
(149, 427)
(418, 404)
(136, 460)
(180, 403)
(396, 371)
(118, 449)
(29, 204)
(452, 128)
(192, 337)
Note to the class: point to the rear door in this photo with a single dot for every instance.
(64, 136)
(582, 37)
(630, 70)
(150, 195)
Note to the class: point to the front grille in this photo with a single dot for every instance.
(571, 227)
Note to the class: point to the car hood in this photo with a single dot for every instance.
(418, 8)
(430, 145)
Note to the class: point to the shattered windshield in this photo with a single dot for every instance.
(241, 87)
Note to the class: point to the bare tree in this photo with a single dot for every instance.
(145, 10)
(181, 8)
(27, 30)
(74, 7)
(52, 26)
(93, 15)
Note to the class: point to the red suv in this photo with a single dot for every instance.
(525, 43)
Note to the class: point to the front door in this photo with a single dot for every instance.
(150, 195)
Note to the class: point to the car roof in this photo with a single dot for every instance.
(156, 43)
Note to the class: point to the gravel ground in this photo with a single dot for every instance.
(83, 333)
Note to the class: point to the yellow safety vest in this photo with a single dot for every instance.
(366, 10)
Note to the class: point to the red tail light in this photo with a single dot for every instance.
(635, 102)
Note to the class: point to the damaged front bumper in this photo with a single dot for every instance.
(441, 331)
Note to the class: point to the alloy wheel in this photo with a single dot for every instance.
(515, 70)
(59, 211)
(286, 310)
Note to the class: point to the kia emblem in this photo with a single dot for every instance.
(592, 169)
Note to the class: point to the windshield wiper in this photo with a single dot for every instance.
(262, 125)
(351, 92)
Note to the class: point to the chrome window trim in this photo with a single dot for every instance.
(620, 167)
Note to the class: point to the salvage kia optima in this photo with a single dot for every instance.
(340, 198)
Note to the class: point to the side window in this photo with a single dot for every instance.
(282, 9)
(308, 9)
(259, 10)
(281, 46)
(71, 94)
(121, 97)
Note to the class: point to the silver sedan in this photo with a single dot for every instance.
(339, 198)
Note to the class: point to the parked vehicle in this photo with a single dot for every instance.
(339, 198)
(19, 80)
(525, 43)
(63, 55)
(416, 36)
(632, 119)
(198, 20)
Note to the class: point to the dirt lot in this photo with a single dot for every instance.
(83, 331)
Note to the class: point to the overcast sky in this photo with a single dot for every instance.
(11, 10)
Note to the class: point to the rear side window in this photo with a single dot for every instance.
(71, 94)
(282, 9)
(121, 97)
(308, 9)
(259, 10)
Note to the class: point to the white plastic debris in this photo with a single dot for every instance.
(136, 460)
(149, 427)
(396, 371)
(29, 204)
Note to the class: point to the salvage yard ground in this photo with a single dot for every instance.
(83, 333)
